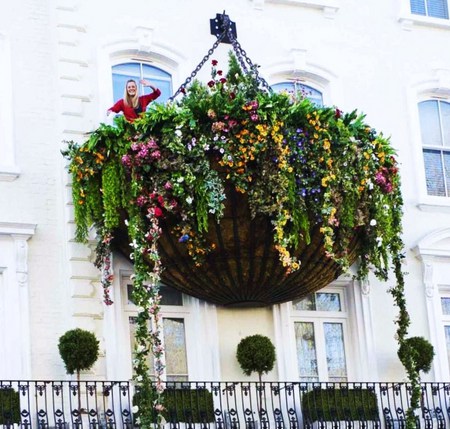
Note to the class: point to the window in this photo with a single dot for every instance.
(173, 331)
(294, 88)
(435, 130)
(320, 331)
(432, 8)
(138, 70)
(445, 306)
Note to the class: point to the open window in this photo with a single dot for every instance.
(121, 73)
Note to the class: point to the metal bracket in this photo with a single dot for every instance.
(218, 26)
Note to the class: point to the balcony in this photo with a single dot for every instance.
(223, 405)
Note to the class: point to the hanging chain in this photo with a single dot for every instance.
(240, 54)
(200, 65)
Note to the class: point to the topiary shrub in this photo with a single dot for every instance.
(9, 406)
(256, 353)
(423, 353)
(339, 405)
(184, 405)
(79, 350)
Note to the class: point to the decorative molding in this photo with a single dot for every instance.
(9, 174)
(15, 228)
(328, 7)
(145, 38)
(428, 279)
(365, 287)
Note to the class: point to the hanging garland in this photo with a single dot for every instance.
(300, 165)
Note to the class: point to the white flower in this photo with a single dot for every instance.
(133, 244)
(134, 409)
(126, 222)
(189, 200)
(379, 241)
(373, 222)
(178, 133)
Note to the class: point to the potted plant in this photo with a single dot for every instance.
(79, 351)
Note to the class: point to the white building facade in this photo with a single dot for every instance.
(63, 64)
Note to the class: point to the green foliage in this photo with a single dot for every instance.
(78, 349)
(422, 350)
(339, 405)
(183, 405)
(9, 406)
(256, 353)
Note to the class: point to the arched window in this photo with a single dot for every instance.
(140, 70)
(435, 130)
(432, 8)
(297, 87)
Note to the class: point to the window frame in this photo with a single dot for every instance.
(319, 318)
(300, 82)
(167, 311)
(441, 148)
(141, 63)
(9, 170)
(408, 20)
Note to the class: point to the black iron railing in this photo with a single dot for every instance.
(223, 405)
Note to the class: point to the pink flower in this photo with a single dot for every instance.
(167, 186)
(141, 200)
(161, 200)
(156, 154)
(214, 62)
(211, 83)
(157, 212)
(223, 80)
(219, 72)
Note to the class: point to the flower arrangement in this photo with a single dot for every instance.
(299, 164)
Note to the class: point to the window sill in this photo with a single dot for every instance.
(408, 21)
(9, 174)
(435, 204)
(328, 7)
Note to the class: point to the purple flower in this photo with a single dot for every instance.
(183, 238)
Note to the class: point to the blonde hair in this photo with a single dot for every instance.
(131, 101)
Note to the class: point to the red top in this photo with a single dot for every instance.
(128, 111)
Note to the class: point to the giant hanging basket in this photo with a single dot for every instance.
(252, 198)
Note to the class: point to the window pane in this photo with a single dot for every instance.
(328, 302)
(429, 123)
(447, 171)
(447, 341)
(334, 344)
(175, 347)
(169, 295)
(445, 120)
(306, 91)
(434, 172)
(445, 305)
(437, 8)
(418, 7)
(305, 304)
(132, 325)
(306, 351)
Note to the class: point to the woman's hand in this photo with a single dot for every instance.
(147, 83)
